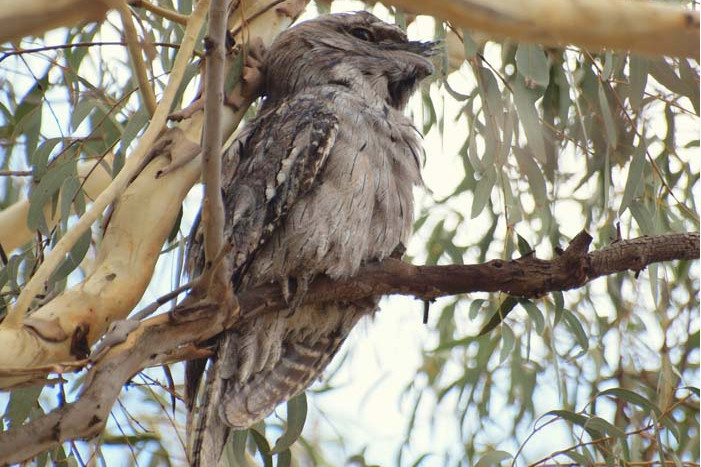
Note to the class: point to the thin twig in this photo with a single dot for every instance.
(160, 11)
(137, 60)
(133, 165)
(212, 139)
(46, 48)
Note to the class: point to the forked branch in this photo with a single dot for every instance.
(165, 339)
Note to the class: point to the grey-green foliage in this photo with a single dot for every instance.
(552, 141)
(613, 138)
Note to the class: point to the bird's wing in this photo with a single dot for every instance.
(274, 162)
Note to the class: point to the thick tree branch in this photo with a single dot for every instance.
(93, 174)
(524, 277)
(132, 167)
(144, 216)
(164, 339)
(137, 59)
(33, 17)
(645, 27)
(153, 343)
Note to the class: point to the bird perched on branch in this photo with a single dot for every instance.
(318, 183)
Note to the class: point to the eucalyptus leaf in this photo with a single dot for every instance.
(638, 80)
(524, 99)
(47, 188)
(533, 64)
(634, 180)
(493, 458)
(507, 342)
(609, 125)
(296, 416)
(577, 330)
(534, 314)
(631, 397)
(21, 403)
(482, 191)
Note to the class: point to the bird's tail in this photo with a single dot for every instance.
(263, 364)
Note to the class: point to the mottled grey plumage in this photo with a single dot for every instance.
(319, 182)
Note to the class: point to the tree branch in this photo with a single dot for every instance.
(212, 138)
(165, 338)
(132, 167)
(134, 236)
(93, 174)
(137, 58)
(527, 276)
(645, 27)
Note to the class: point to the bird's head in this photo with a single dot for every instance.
(356, 50)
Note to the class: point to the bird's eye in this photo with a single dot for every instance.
(362, 34)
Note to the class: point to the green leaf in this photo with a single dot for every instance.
(28, 113)
(81, 110)
(235, 450)
(579, 458)
(576, 327)
(536, 180)
(469, 44)
(296, 416)
(493, 458)
(493, 103)
(631, 397)
(599, 425)
(690, 77)
(42, 193)
(559, 301)
(576, 419)
(69, 190)
(504, 309)
(482, 191)
(609, 125)
(40, 157)
(76, 255)
(534, 313)
(284, 459)
(136, 123)
(667, 77)
(263, 446)
(475, 307)
(472, 151)
(455, 343)
(507, 342)
(654, 282)
(512, 206)
(524, 100)
(21, 403)
(642, 216)
(524, 248)
(639, 67)
(607, 69)
(29, 126)
(634, 180)
(533, 64)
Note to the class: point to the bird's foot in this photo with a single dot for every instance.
(294, 290)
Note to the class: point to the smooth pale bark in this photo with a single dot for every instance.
(143, 217)
(643, 27)
(13, 220)
(131, 168)
(32, 17)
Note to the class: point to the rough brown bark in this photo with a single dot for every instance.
(167, 339)
(524, 277)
